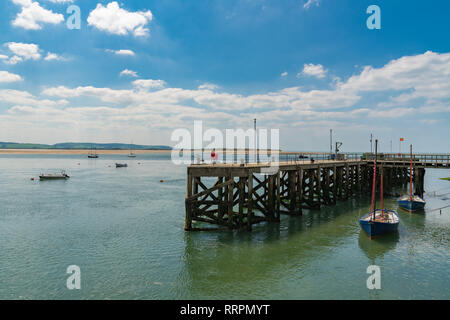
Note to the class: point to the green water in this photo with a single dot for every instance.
(124, 229)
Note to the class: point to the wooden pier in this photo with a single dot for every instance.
(237, 196)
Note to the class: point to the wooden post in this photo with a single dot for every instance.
(300, 190)
(292, 193)
(230, 203)
(311, 187)
(335, 184)
(319, 186)
(358, 179)
(250, 201)
(278, 205)
(188, 219)
(241, 201)
(348, 182)
(220, 195)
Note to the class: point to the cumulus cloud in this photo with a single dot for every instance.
(122, 52)
(284, 74)
(5, 77)
(208, 86)
(148, 84)
(129, 73)
(53, 56)
(33, 15)
(115, 20)
(24, 50)
(27, 51)
(313, 70)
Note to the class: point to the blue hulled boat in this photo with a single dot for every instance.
(379, 222)
(411, 204)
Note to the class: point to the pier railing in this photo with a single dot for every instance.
(230, 157)
(441, 158)
(263, 156)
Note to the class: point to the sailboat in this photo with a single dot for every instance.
(131, 154)
(93, 154)
(378, 221)
(411, 202)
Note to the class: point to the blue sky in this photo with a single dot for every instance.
(137, 70)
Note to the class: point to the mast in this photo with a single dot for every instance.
(411, 175)
(381, 191)
(373, 206)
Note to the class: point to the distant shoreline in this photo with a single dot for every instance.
(78, 151)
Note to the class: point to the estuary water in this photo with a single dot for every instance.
(124, 229)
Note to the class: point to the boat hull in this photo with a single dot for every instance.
(377, 228)
(411, 205)
(54, 178)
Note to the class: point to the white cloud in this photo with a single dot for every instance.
(14, 60)
(3, 57)
(122, 52)
(118, 21)
(28, 51)
(130, 73)
(53, 56)
(313, 70)
(17, 97)
(24, 50)
(5, 76)
(149, 84)
(310, 3)
(33, 15)
(208, 86)
(284, 74)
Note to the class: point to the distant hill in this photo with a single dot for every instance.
(81, 146)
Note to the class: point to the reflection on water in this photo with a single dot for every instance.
(379, 246)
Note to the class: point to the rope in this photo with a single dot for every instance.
(438, 209)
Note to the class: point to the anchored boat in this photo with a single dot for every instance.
(378, 221)
(93, 154)
(411, 202)
(131, 154)
(62, 176)
(121, 165)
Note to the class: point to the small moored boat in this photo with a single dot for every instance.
(378, 221)
(411, 202)
(61, 176)
(93, 154)
(121, 165)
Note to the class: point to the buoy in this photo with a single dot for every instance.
(161, 181)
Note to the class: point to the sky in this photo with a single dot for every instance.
(135, 71)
